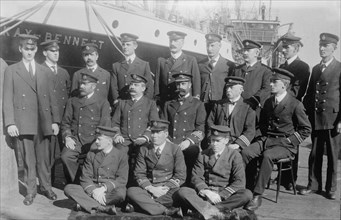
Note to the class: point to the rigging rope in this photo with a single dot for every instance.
(50, 11)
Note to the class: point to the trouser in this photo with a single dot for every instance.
(189, 199)
(35, 151)
(77, 193)
(132, 150)
(270, 149)
(190, 155)
(70, 160)
(332, 141)
(56, 146)
(152, 206)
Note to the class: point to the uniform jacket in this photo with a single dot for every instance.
(121, 78)
(83, 115)
(187, 121)
(25, 100)
(164, 82)
(323, 99)
(169, 170)
(257, 82)
(103, 85)
(110, 170)
(242, 120)
(61, 87)
(287, 119)
(301, 77)
(213, 80)
(224, 175)
(133, 119)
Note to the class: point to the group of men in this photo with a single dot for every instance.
(181, 139)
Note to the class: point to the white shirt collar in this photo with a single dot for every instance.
(160, 147)
(290, 60)
(250, 65)
(50, 65)
(328, 62)
(94, 67)
(131, 58)
(33, 64)
(236, 99)
(91, 94)
(108, 151)
(281, 97)
(219, 153)
(138, 98)
(215, 59)
(176, 55)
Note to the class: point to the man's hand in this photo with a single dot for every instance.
(338, 127)
(158, 191)
(119, 139)
(99, 195)
(70, 143)
(185, 144)
(212, 197)
(234, 146)
(140, 141)
(55, 129)
(13, 131)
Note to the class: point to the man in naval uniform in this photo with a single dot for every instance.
(90, 56)
(104, 176)
(284, 125)
(132, 118)
(323, 103)
(31, 116)
(186, 116)
(61, 91)
(218, 179)
(82, 115)
(235, 113)
(160, 171)
(165, 88)
(127, 66)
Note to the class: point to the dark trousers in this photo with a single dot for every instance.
(270, 150)
(56, 145)
(77, 193)
(70, 160)
(189, 199)
(332, 141)
(153, 206)
(35, 151)
(190, 155)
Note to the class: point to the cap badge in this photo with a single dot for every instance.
(230, 80)
(155, 123)
(323, 37)
(215, 133)
(97, 130)
(247, 43)
(87, 48)
(134, 77)
(30, 41)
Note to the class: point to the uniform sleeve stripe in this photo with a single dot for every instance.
(298, 136)
(113, 184)
(141, 181)
(244, 139)
(175, 182)
(88, 187)
(230, 190)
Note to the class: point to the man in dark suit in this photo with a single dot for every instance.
(284, 125)
(132, 118)
(235, 113)
(104, 176)
(323, 103)
(82, 115)
(127, 66)
(31, 116)
(186, 116)
(257, 76)
(213, 71)
(61, 89)
(160, 171)
(90, 56)
(218, 179)
(178, 62)
(298, 86)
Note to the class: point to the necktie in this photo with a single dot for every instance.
(30, 70)
(231, 103)
(285, 64)
(129, 61)
(54, 69)
(211, 64)
(323, 67)
(91, 69)
(158, 153)
(276, 102)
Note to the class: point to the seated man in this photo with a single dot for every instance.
(104, 176)
(284, 125)
(160, 171)
(235, 113)
(82, 115)
(218, 178)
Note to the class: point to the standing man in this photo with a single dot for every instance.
(104, 176)
(160, 171)
(123, 69)
(83, 114)
(291, 46)
(323, 101)
(186, 116)
(284, 125)
(218, 179)
(90, 57)
(178, 62)
(132, 118)
(61, 89)
(31, 116)
(213, 71)
(235, 113)
(257, 75)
